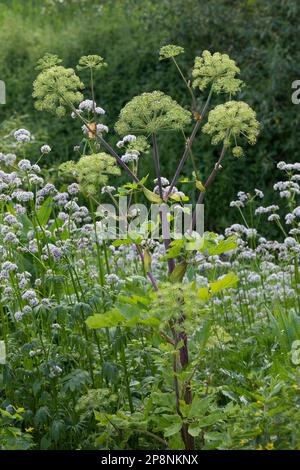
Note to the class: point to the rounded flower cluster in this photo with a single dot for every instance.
(95, 62)
(170, 50)
(55, 88)
(150, 113)
(22, 135)
(227, 122)
(91, 171)
(216, 70)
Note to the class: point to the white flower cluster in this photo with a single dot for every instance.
(23, 135)
(90, 107)
(126, 140)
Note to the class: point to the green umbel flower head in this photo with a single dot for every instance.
(150, 113)
(55, 88)
(216, 70)
(230, 121)
(48, 61)
(166, 52)
(91, 171)
(95, 62)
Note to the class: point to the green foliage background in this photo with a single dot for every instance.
(261, 35)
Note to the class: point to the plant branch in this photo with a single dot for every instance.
(189, 144)
(208, 182)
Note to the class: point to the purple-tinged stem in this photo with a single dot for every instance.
(167, 241)
(207, 183)
(189, 144)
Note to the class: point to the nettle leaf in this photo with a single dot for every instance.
(229, 280)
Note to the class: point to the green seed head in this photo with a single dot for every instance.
(151, 113)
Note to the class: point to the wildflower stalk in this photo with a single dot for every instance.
(189, 144)
(99, 258)
(104, 143)
(194, 102)
(126, 377)
(167, 241)
(208, 182)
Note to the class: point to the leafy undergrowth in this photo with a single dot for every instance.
(64, 385)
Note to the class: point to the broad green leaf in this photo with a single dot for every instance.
(125, 241)
(195, 245)
(211, 419)
(106, 320)
(173, 429)
(200, 406)
(178, 272)
(229, 280)
(203, 293)
(223, 246)
(194, 429)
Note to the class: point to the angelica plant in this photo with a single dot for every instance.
(148, 115)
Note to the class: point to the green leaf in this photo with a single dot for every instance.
(200, 406)
(223, 246)
(173, 429)
(204, 294)
(125, 241)
(106, 320)
(179, 272)
(211, 419)
(45, 211)
(178, 198)
(152, 197)
(229, 280)
(194, 429)
(147, 261)
(200, 186)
